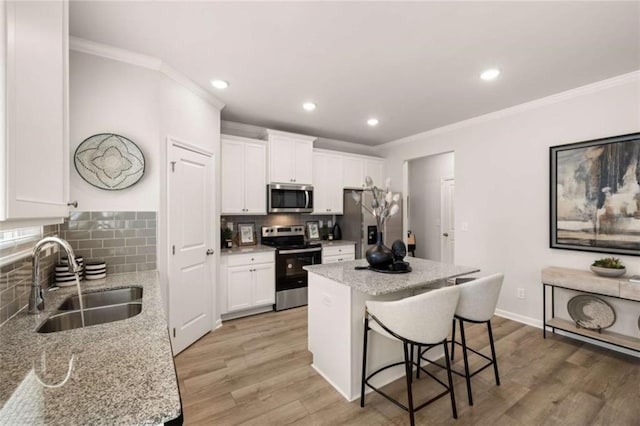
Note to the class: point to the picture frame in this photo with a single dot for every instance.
(246, 234)
(595, 195)
(313, 231)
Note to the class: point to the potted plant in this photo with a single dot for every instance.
(226, 237)
(608, 267)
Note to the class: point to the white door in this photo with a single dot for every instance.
(232, 177)
(447, 236)
(264, 290)
(239, 292)
(255, 178)
(375, 169)
(333, 176)
(191, 243)
(303, 162)
(353, 172)
(282, 159)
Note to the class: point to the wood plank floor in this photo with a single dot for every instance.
(256, 371)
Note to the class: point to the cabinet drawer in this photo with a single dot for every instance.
(337, 258)
(339, 250)
(250, 259)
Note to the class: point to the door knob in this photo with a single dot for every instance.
(209, 252)
(446, 234)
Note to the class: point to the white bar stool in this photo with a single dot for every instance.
(477, 304)
(421, 320)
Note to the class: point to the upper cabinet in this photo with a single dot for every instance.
(243, 175)
(356, 168)
(327, 183)
(34, 134)
(290, 157)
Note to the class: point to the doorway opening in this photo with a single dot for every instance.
(430, 210)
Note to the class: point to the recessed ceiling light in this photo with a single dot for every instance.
(372, 122)
(220, 84)
(490, 74)
(309, 106)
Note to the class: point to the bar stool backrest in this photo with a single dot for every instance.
(425, 318)
(478, 298)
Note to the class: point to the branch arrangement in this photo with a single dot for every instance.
(384, 203)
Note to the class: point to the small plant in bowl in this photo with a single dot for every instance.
(608, 267)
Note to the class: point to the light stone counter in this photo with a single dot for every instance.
(337, 243)
(425, 273)
(259, 248)
(121, 372)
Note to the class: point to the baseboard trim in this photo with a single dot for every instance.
(246, 313)
(533, 322)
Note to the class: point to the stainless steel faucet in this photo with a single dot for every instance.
(36, 299)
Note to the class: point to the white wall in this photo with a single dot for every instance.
(425, 178)
(502, 181)
(107, 96)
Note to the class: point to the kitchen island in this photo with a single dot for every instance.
(120, 372)
(337, 296)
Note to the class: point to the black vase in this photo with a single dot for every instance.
(379, 256)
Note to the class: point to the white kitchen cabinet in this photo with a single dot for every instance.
(248, 280)
(243, 176)
(338, 253)
(290, 157)
(356, 168)
(327, 183)
(34, 125)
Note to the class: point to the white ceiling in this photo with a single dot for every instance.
(414, 66)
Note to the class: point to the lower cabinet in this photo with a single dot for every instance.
(341, 253)
(248, 281)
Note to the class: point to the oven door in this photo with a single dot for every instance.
(289, 263)
(290, 198)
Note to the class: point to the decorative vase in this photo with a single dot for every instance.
(608, 272)
(379, 256)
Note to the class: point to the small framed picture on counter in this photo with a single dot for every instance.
(313, 231)
(246, 234)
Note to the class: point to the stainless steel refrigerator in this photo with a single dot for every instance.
(359, 225)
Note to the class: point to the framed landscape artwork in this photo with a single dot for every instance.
(595, 195)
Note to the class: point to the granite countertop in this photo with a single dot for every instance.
(425, 273)
(336, 243)
(247, 249)
(121, 372)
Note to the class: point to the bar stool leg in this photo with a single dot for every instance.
(419, 358)
(409, 373)
(364, 361)
(453, 338)
(466, 362)
(493, 353)
(451, 392)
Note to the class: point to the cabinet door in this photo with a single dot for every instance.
(232, 177)
(37, 150)
(255, 179)
(353, 172)
(282, 159)
(319, 184)
(333, 178)
(264, 290)
(303, 162)
(240, 287)
(375, 169)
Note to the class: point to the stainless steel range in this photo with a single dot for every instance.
(291, 255)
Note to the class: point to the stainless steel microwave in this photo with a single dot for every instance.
(287, 198)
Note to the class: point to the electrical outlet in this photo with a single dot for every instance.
(327, 300)
(464, 226)
(521, 294)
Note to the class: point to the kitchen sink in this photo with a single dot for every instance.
(103, 298)
(93, 316)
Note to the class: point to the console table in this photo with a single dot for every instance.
(586, 282)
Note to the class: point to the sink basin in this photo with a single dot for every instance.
(103, 298)
(94, 316)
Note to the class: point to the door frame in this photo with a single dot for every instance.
(443, 181)
(165, 225)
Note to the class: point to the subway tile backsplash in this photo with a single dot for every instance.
(15, 277)
(126, 241)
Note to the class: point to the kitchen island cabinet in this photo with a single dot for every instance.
(337, 296)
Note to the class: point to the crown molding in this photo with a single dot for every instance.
(78, 44)
(527, 106)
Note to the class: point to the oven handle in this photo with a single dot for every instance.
(309, 250)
